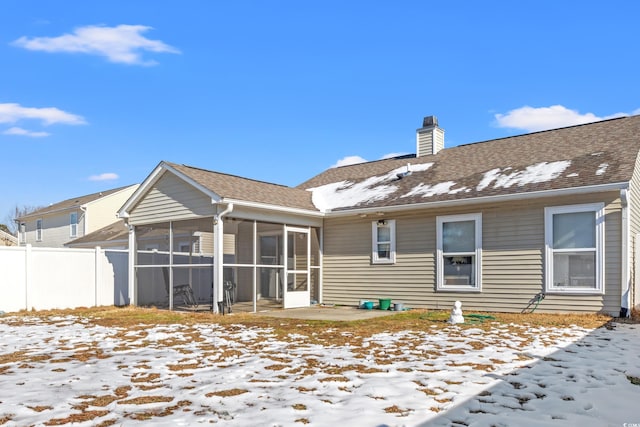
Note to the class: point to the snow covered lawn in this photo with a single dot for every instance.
(69, 370)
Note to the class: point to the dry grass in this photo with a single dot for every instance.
(337, 332)
(76, 418)
(227, 393)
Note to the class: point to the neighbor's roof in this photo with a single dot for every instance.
(244, 189)
(74, 202)
(586, 155)
(114, 232)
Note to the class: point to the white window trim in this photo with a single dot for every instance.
(375, 259)
(71, 225)
(39, 230)
(598, 208)
(440, 220)
(22, 231)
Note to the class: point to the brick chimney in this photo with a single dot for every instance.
(429, 138)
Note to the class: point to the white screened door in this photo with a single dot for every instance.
(297, 249)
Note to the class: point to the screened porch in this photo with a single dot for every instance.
(264, 265)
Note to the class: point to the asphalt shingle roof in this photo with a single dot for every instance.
(586, 155)
(249, 190)
(74, 202)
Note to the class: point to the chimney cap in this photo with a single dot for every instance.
(429, 121)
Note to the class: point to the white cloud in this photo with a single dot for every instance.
(11, 113)
(24, 132)
(121, 44)
(349, 160)
(533, 119)
(109, 176)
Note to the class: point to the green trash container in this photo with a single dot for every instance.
(385, 304)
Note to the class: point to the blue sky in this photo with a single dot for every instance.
(95, 94)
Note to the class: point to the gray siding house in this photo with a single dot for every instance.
(549, 219)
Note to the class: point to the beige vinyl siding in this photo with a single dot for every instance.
(171, 199)
(102, 212)
(634, 219)
(512, 260)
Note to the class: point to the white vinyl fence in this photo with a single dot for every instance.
(50, 278)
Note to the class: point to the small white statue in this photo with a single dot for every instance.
(456, 313)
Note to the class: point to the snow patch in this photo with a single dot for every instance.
(344, 194)
(539, 172)
(602, 168)
(427, 190)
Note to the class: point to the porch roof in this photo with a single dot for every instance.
(237, 188)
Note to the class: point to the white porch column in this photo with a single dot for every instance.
(218, 256)
(133, 251)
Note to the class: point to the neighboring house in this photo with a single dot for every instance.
(112, 236)
(61, 222)
(116, 236)
(7, 239)
(497, 225)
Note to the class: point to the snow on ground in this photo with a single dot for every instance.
(64, 369)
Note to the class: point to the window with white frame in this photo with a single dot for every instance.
(73, 224)
(459, 252)
(23, 232)
(383, 241)
(38, 230)
(574, 237)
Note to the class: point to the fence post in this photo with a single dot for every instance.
(27, 274)
(98, 274)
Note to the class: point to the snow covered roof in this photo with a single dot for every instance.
(586, 155)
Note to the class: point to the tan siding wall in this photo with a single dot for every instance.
(102, 212)
(171, 199)
(635, 229)
(512, 260)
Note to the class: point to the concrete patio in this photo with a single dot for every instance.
(327, 312)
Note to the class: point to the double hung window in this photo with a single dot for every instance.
(383, 241)
(73, 224)
(23, 232)
(574, 238)
(459, 249)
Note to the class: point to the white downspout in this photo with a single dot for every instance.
(218, 256)
(625, 294)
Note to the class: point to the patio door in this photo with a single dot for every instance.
(297, 250)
